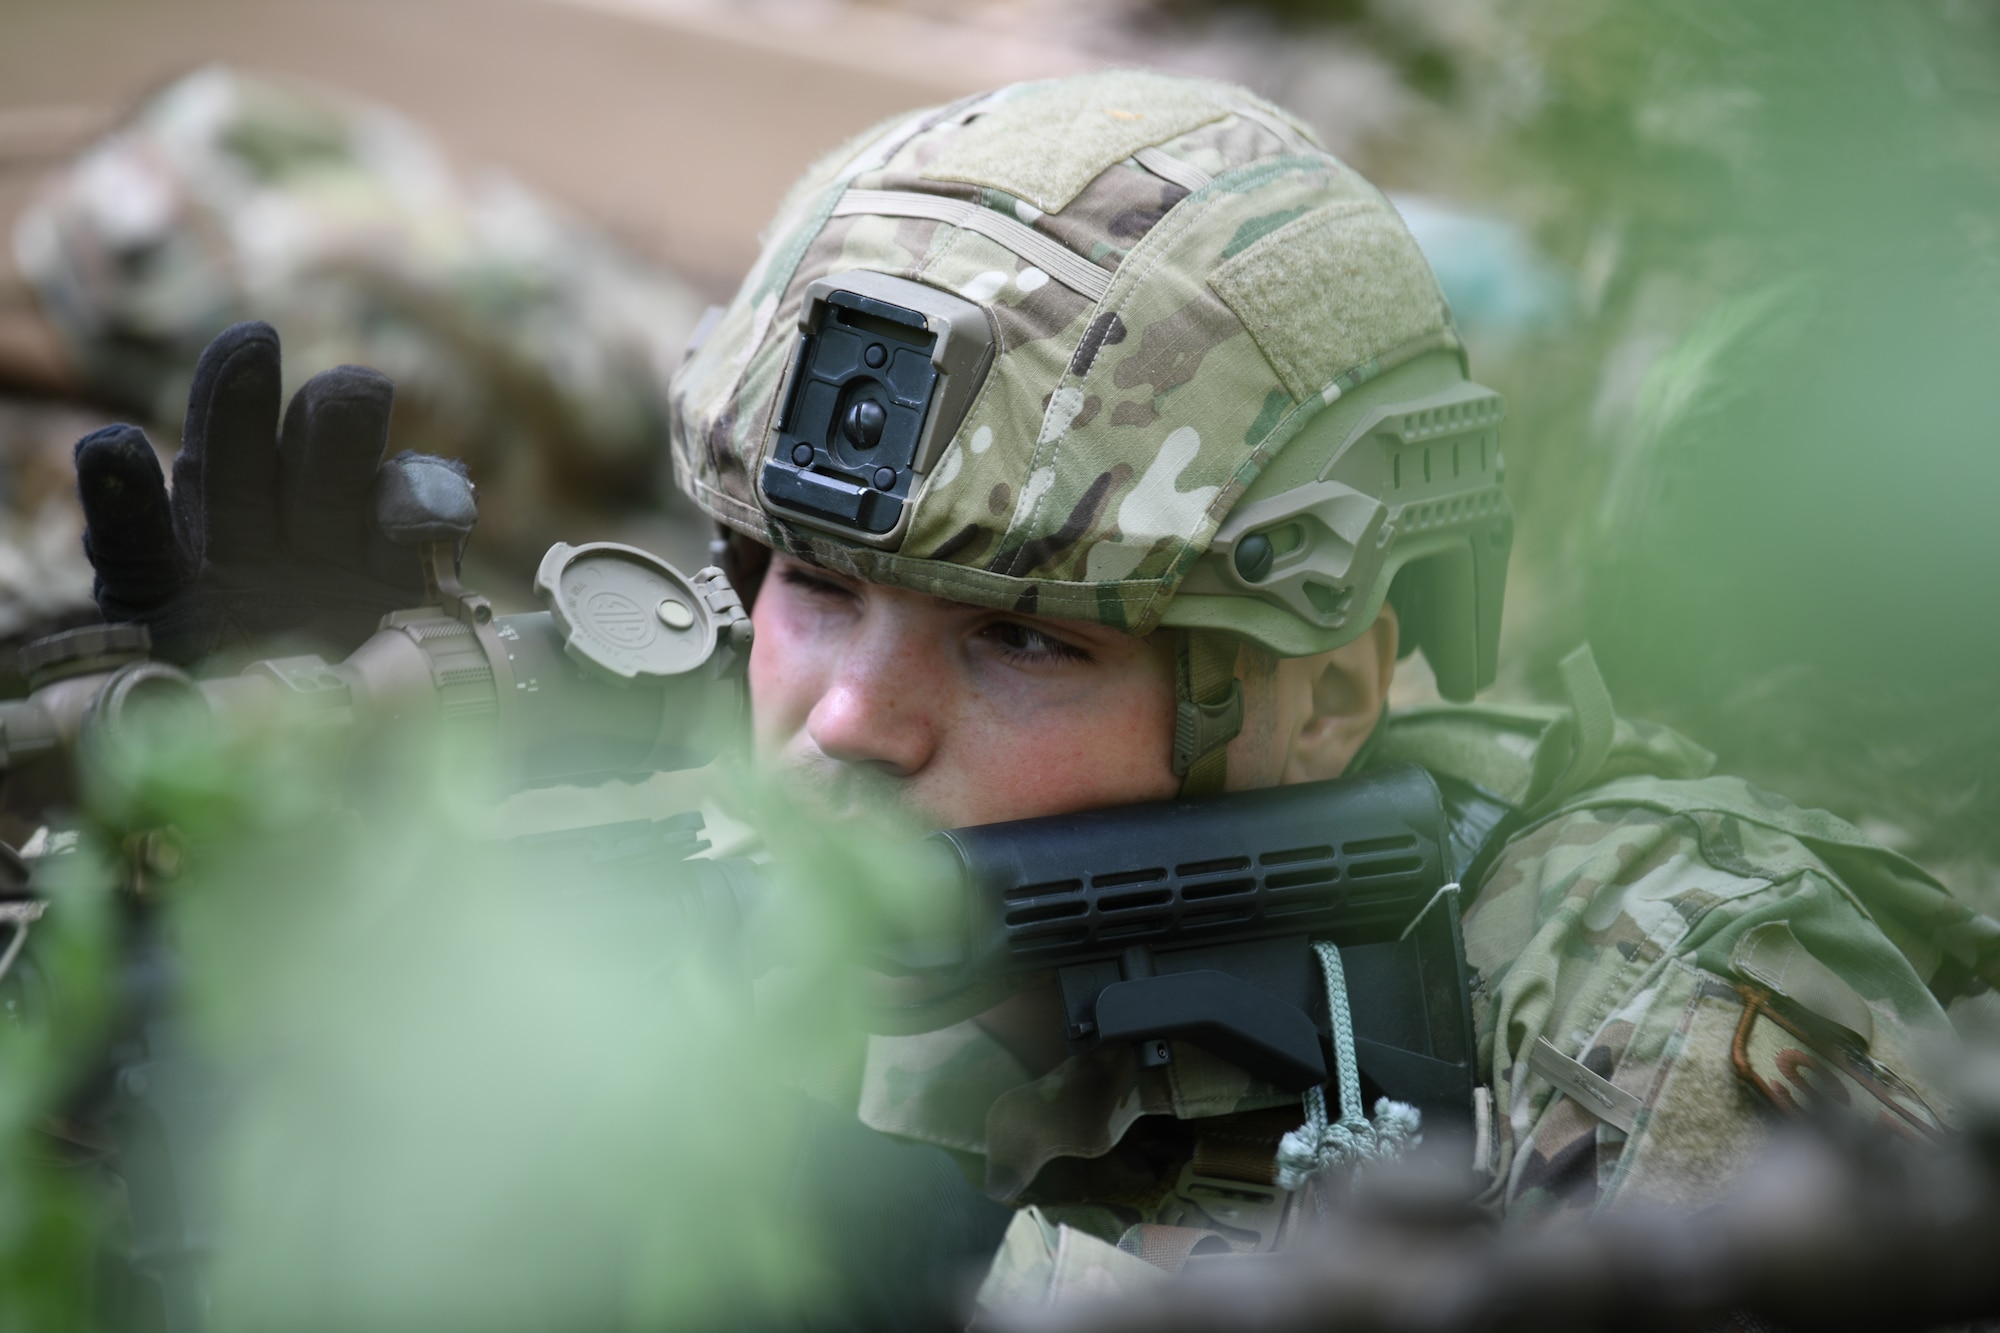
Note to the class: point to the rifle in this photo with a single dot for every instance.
(1186, 921)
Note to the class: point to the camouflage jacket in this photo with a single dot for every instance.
(1664, 963)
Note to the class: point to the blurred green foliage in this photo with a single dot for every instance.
(53, 1005)
(1781, 538)
(457, 1085)
(1755, 470)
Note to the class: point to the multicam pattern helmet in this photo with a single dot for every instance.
(1126, 348)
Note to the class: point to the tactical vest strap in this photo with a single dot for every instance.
(1243, 1146)
(1592, 726)
(1253, 1160)
(1480, 823)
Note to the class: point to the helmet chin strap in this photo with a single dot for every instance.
(1209, 709)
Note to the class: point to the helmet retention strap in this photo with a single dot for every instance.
(1208, 712)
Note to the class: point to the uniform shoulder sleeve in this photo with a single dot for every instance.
(1656, 989)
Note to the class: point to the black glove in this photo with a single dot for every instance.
(268, 532)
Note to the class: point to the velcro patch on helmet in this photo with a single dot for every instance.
(1048, 141)
(1331, 291)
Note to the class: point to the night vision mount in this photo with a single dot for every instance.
(882, 375)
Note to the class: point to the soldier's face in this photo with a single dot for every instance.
(956, 714)
(959, 715)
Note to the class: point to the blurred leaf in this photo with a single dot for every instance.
(455, 1090)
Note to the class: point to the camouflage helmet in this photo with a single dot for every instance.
(1126, 348)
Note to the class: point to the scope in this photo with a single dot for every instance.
(632, 667)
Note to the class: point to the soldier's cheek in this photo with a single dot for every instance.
(1022, 753)
(789, 672)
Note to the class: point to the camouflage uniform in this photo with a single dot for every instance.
(1717, 956)
(1208, 329)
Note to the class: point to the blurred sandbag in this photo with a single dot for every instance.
(521, 339)
(44, 579)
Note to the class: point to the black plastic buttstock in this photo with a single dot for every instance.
(1354, 859)
(1243, 1024)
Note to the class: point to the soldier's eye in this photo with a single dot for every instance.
(1026, 643)
(814, 584)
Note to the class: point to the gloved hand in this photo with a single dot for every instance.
(268, 532)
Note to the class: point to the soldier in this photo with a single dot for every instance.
(1224, 469)
(1104, 439)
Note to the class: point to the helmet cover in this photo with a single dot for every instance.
(1179, 279)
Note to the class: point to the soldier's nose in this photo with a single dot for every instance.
(877, 708)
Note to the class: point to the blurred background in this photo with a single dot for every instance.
(1735, 267)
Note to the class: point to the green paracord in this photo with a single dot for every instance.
(1318, 1145)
